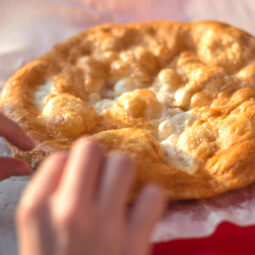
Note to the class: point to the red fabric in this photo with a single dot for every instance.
(227, 239)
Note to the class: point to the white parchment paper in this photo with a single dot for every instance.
(28, 28)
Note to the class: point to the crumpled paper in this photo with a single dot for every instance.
(29, 28)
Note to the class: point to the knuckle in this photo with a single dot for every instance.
(27, 210)
(66, 220)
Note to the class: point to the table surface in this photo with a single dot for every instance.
(228, 239)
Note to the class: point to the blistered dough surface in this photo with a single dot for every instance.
(177, 97)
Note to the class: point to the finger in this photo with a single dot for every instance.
(116, 182)
(13, 167)
(81, 172)
(14, 134)
(46, 179)
(146, 212)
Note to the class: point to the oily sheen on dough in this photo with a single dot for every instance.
(179, 98)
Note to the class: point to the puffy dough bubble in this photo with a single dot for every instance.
(247, 74)
(182, 98)
(126, 84)
(200, 99)
(69, 116)
(169, 77)
(146, 59)
(220, 48)
(141, 104)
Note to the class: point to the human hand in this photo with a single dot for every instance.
(76, 204)
(16, 136)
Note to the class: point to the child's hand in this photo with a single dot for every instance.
(16, 136)
(75, 204)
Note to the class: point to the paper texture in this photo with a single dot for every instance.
(29, 28)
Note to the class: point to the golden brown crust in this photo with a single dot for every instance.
(179, 98)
